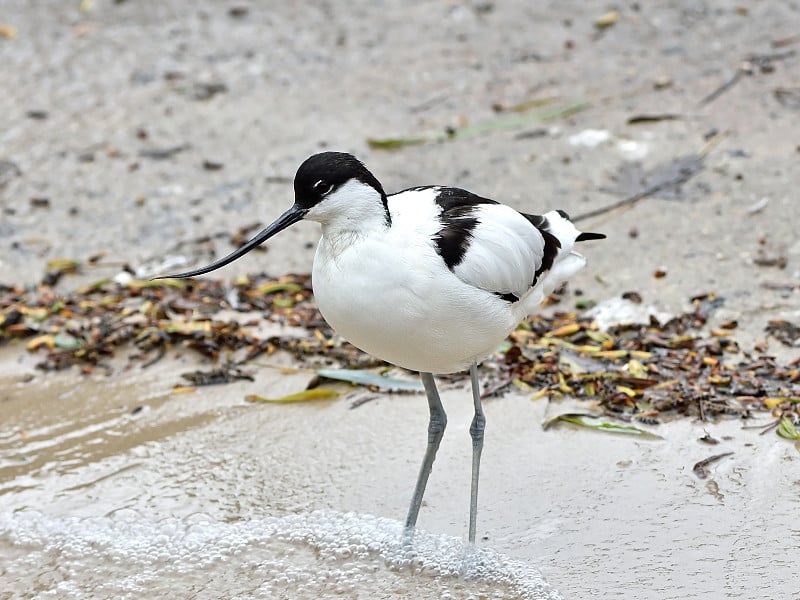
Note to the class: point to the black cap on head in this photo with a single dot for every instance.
(322, 173)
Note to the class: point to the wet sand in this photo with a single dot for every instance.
(224, 497)
(113, 487)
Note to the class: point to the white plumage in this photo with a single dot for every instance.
(388, 292)
(431, 279)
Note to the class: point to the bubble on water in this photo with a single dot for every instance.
(125, 554)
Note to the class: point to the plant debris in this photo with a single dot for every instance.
(652, 118)
(629, 373)
(8, 171)
(607, 20)
(663, 180)
(304, 396)
(787, 429)
(8, 32)
(752, 63)
(646, 373)
(788, 97)
(590, 421)
(701, 467)
(785, 332)
(224, 374)
(207, 90)
(372, 380)
(708, 439)
(487, 127)
(163, 153)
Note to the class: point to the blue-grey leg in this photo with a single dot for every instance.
(436, 426)
(476, 432)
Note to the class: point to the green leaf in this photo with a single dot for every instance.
(85, 289)
(536, 103)
(304, 396)
(395, 143)
(503, 124)
(368, 378)
(68, 265)
(156, 283)
(273, 287)
(66, 341)
(486, 127)
(599, 424)
(787, 429)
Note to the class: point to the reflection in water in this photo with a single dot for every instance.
(297, 556)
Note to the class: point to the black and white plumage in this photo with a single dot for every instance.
(431, 278)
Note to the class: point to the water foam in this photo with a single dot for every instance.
(308, 555)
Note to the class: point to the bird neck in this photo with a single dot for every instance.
(354, 211)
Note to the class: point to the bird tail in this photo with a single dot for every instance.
(585, 236)
(559, 224)
(560, 262)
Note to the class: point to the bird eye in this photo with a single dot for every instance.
(322, 187)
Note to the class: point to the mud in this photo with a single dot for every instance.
(130, 127)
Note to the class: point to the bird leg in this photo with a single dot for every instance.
(436, 426)
(476, 432)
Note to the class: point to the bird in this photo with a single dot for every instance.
(431, 279)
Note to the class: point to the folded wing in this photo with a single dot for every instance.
(513, 255)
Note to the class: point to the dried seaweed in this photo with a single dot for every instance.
(631, 373)
(701, 467)
(227, 373)
(648, 372)
(785, 332)
(304, 396)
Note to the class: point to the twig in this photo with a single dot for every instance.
(497, 387)
(723, 88)
(762, 60)
(712, 143)
(363, 400)
(682, 177)
(746, 67)
(162, 351)
(700, 467)
(777, 285)
(770, 427)
(629, 201)
(428, 103)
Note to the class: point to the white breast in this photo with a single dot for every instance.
(388, 292)
(391, 295)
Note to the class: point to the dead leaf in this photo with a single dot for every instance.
(701, 467)
(8, 32)
(304, 396)
(607, 20)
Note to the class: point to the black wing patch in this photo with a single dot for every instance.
(551, 243)
(458, 223)
(510, 298)
(453, 198)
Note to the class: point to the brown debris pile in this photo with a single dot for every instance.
(630, 372)
(90, 325)
(642, 372)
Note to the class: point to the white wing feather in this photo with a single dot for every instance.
(506, 251)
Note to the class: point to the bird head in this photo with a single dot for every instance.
(329, 187)
(335, 187)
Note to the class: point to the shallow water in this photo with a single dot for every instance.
(309, 555)
(111, 486)
(115, 488)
